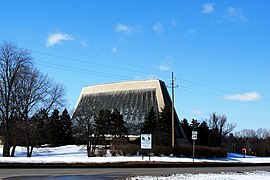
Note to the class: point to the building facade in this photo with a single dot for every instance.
(133, 99)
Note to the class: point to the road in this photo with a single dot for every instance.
(112, 173)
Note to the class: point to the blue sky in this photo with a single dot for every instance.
(219, 51)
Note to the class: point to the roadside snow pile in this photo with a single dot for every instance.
(262, 175)
(77, 154)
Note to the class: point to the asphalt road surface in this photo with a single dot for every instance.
(112, 173)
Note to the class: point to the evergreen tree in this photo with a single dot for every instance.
(150, 123)
(39, 120)
(203, 134)
(102, 127)
(102, 122)
(67, 127)
(118, 127)
(164, 128)
(186, 128)
(55, 129)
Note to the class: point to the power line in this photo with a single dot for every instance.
(97, 73)
(83, 71)
(136, 71)
(118, 77)
(89, 56)
(194, 81)
(91, 63)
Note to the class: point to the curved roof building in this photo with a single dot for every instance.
(133, 99)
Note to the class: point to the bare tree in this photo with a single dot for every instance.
(263, 133)
(219, 128)
(246, 133)
(27, 96)
(256, 141)
(36, 91)
(23, 91)
(84, 123)
(54, 96)
(13, 61)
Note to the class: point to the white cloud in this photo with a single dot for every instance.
(158, 27)
(57, 38)
(191, 32)
(83, 43)
(198, 112)
(123, 28)
(167, 64)
(149, 76)
(174, 23)
(251, 96)
(114, 49)
(152, 76)
(208, 8)
(234, 14)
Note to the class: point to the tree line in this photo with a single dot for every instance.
(256, 142)
(217, 132)
(212, 132)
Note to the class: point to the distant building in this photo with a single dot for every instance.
(133, 99)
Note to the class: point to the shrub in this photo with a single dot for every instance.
(162, 150)
(116, 150)
(130, 149)
(125, 150)
(200, 152)
(101, 152)
(178, 151)
(221, 152)
(182, 151)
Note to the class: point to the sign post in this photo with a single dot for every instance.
(146, 142)
(194, 138)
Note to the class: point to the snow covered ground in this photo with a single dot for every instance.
(262, 175)
(77, 154)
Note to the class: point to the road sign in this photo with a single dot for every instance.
(194, 135)
(146, 141)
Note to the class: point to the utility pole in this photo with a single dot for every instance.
(173, 86)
